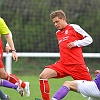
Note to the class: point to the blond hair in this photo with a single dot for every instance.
(58, 13)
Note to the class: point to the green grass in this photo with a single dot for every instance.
(35, 92)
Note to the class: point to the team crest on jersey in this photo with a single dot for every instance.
(66, 32)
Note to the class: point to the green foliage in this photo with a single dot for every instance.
(33, 29)
(31, 66)
(34, 66)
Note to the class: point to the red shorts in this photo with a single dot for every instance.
(77, 72)
(1, 54)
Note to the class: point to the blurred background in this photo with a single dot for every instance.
(34, 32)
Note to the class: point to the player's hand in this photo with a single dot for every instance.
(70, 45)
(7, 48)
(97, 72)
(14, 55)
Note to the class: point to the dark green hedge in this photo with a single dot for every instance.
(33, 29)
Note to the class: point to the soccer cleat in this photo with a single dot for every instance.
(27, 89)
(7, 98)
(37, 99)
(20, 90)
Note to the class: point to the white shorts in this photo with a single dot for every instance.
(88, 89)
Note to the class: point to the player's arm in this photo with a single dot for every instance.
(4, 30)
(97, 72)
(70, 45)
(8, 48)
(9, 41)
(11, 44)
(87, 39)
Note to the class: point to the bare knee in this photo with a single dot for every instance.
(71, 85)
(67, 84)
(47, 73)
(42, 76)
(3, 75)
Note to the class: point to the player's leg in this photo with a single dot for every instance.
(8, 84)
(44, 84)
(25, 85)
(63, 91)
(5, 75)
(13, 79)
(4, 96)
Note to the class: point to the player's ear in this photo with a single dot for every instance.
(63, 19)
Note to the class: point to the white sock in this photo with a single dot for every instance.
(53, 99)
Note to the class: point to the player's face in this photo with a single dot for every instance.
(59, 23)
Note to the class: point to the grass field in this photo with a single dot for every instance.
(35, 92)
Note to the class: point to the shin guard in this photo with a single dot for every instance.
(45, 89)
(14, 79)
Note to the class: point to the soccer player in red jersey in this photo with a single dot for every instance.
(4, 30)
(71, 39)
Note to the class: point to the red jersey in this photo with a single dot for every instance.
(72, 33)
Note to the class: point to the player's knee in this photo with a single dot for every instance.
(71, 85)
(67, 84)
(42, 76)
(3, 75)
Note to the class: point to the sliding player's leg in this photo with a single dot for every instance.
(63, 91)
(5, 83)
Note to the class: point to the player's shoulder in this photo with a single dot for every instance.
(1, 19)
(57, 31)
(74, 25)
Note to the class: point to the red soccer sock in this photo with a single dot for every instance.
(13, 79)
(23, 84)
(45, 89)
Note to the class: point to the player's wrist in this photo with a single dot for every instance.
(13, 50)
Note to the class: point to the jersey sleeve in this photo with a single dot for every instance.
(3, 27)
(87, 39)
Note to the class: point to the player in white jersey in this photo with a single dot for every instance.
(89, 89)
